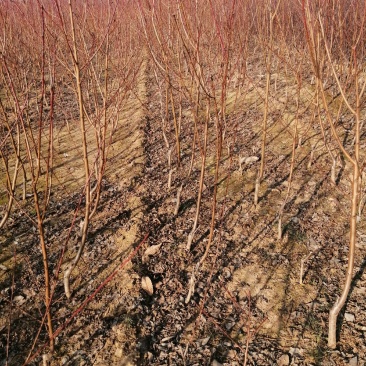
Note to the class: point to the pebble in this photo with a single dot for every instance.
(119, 353)
(204, 341)
(296, 351)
(163, 355)
(360, 291)
(149, 356)
(229, 325)
(226, 272)
(64, 360)
(231, 354)
(284, 360)
(19, 299)
(349, 317)
(251, 159)
(353, 361)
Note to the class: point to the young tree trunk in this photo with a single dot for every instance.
(202, 178)
(85, 224)
(260, 174)
(354, 159)
(219, 138)
(337, 307)
(45, 268)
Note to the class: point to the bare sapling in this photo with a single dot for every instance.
(101, 95)
(359, 90)
(101, 130)
(220, 108)
(163, 31)
(201, 181)
(216, 179)
(191, 43)
(177, 200)
(351, 97)
(302, 264)
(82, 122)
(176, 128)
(91, 199)
(177, 139)
(318, 61)
(333, 314)
(314, 141)
(38, 159)
(8, 153)
(314, 145)
(194, 113)
(292, 163)
(91, 70)
(272, 16)
(170, 175)
(313, 247)
(163, 113)
(331, 153)
(169, 159)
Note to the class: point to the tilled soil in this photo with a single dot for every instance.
(247, 305)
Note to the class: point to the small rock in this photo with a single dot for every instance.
(229, 325)
(149, 356)
(29, 292)
(313, 245)
(204, 341)
(64, 360)
(231, 354)
(296, 351)
(47, 357)
(251, 159)
(349, 317)
(216, 363)
(226, 272)
(119, 352)
(163, 355)
(360, 291)
(19, 299)
(284, 360)
(353, 361)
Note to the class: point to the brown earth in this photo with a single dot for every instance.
(247, 294)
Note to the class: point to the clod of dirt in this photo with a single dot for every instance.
(284, 360)
(349, 317)
(353, 361)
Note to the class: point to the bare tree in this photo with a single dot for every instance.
(351, 98)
